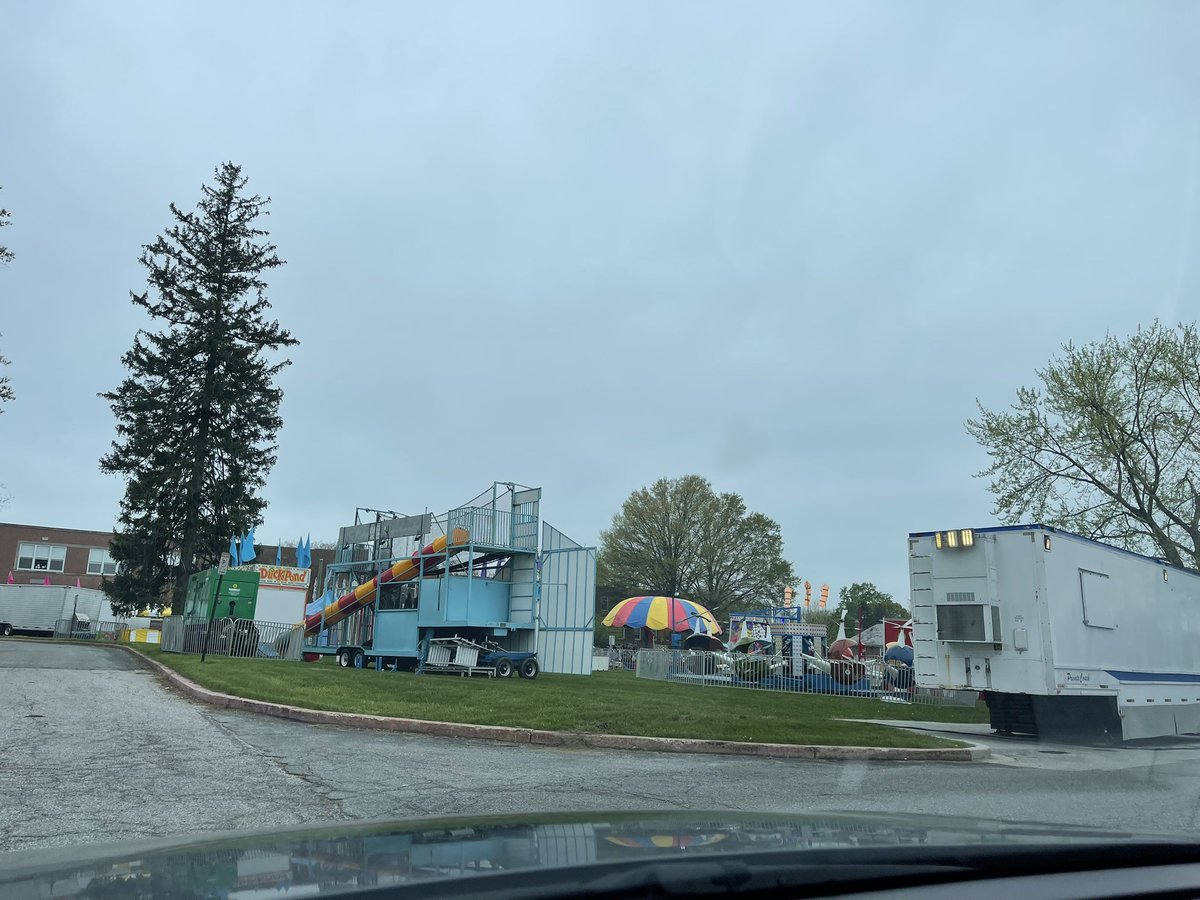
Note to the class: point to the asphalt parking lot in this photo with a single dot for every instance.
(96, 749)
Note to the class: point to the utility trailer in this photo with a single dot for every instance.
(1059, 633)
(35, 609)
(460, 656)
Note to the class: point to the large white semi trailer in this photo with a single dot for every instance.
(34, 608)
(1058, 632)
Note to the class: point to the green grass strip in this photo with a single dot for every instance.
(605, 703)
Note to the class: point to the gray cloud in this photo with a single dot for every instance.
(586, 245)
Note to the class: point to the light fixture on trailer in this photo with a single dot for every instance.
(954, 540)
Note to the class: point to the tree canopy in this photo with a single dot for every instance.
(876, 605)
(6, 255)
(198, 411)
(1108, 445)
(678, 537)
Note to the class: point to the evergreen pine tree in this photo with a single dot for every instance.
(198, 412)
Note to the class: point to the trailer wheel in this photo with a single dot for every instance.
(504, 667)
(345, 659)
(529, 668)
(6, 629)
(359, 660)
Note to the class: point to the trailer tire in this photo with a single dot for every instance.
(529, 668)
(504, 667)
(6, 630)
(359, 660)
(345, 659)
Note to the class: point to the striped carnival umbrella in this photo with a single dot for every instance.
(662, 614)
(666, 841)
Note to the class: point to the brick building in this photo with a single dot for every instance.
(35, 552)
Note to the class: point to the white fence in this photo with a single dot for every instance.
(618, 658)
(778, 674)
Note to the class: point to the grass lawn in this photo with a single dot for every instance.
(606, 702)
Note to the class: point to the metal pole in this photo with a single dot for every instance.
(212, 610)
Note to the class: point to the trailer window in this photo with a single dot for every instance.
(1099, 603)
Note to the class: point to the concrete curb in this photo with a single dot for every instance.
(539, 738)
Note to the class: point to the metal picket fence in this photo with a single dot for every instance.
(233, 637)
(618, 657)
(91, 631)
(710, 668)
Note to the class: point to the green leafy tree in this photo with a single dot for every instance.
(826, 617)
(678, 537)
(876, 605)
(197, 413)
(1108, 446)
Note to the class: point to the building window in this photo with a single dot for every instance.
(41, 557)
(100, 562)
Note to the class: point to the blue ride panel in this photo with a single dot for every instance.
(465, 602)
(395, 633)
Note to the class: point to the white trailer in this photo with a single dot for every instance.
(1058, 632)
(36, 608)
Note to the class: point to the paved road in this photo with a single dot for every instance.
(94, 749)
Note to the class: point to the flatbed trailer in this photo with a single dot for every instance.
(1059, 633)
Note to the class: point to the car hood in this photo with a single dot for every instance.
(249, 865)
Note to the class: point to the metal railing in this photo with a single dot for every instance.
(496, 527)
(233, 637)
(780, 674)
(618, 657)
(91, 631)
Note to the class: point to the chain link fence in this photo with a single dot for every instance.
(780, 674)
(232, 637)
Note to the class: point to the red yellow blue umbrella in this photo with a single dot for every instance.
(661, 614)
(666, 841)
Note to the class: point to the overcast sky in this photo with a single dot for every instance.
(586, 245)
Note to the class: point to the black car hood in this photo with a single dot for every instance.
(343, 857)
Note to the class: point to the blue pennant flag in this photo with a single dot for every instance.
(234, 543)
(279, 554)
(308, 552)
(248, 547)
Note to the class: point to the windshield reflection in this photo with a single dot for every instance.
(338, 860)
